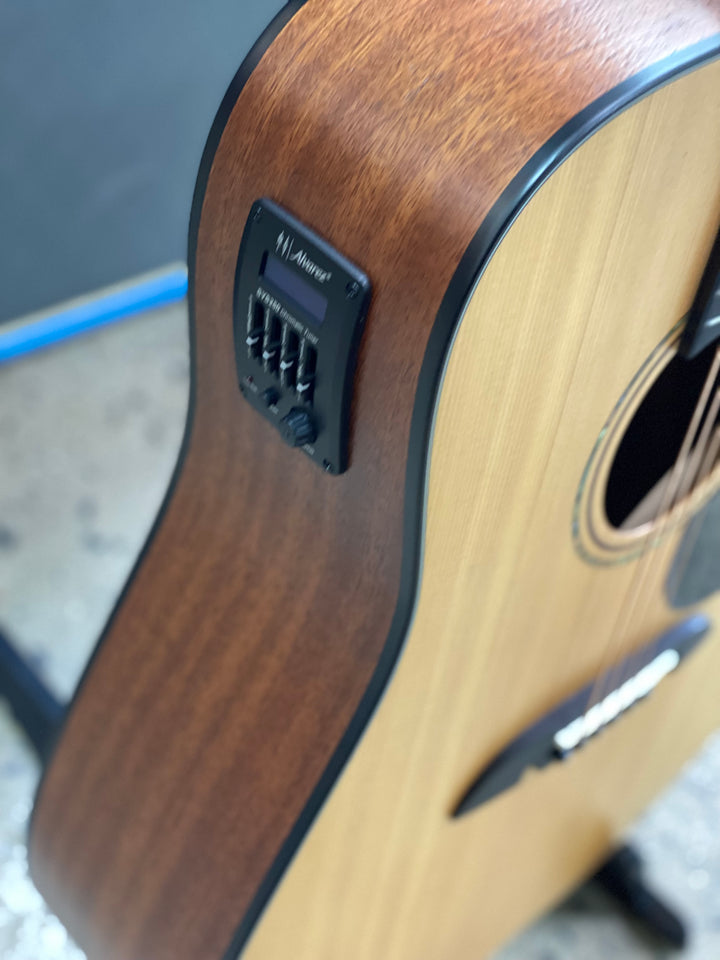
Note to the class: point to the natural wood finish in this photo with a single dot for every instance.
(246, 638)
(510, 620)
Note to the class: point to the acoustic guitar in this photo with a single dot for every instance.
(453, 429)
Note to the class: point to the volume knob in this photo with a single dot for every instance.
(297, 428)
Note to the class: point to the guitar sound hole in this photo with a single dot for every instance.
(653, 440)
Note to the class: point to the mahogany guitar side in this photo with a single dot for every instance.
(270, 604)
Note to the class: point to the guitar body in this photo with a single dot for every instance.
(307, 672)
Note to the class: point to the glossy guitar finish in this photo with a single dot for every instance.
(267, 611)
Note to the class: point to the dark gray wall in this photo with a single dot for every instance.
(104, 110)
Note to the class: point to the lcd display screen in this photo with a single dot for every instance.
(301, 291)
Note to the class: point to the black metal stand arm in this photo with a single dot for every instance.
(622, 878)
(35, 708)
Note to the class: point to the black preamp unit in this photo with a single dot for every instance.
(299, 310)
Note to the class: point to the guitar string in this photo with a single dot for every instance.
(710, 460)
(689, 540)
(604, 682)
(684, 504)
(611, 677)
(701, 448)
(711, 457)
(701, 462)
(655, 543)
(709, 444)
(653, 546)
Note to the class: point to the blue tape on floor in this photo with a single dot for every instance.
(144, 295)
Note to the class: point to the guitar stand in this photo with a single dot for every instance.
(622, 878)
(41, 716)
(35, 708)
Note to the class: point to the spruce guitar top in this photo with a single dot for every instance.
(455, 309)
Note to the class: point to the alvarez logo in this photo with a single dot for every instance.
(285, 248)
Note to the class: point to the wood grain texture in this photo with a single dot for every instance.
(246, 638)
(510, 619)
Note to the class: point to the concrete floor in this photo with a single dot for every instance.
(89, 433)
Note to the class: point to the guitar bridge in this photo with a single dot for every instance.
(568, 726)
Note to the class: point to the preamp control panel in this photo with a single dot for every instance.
(299, 311)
